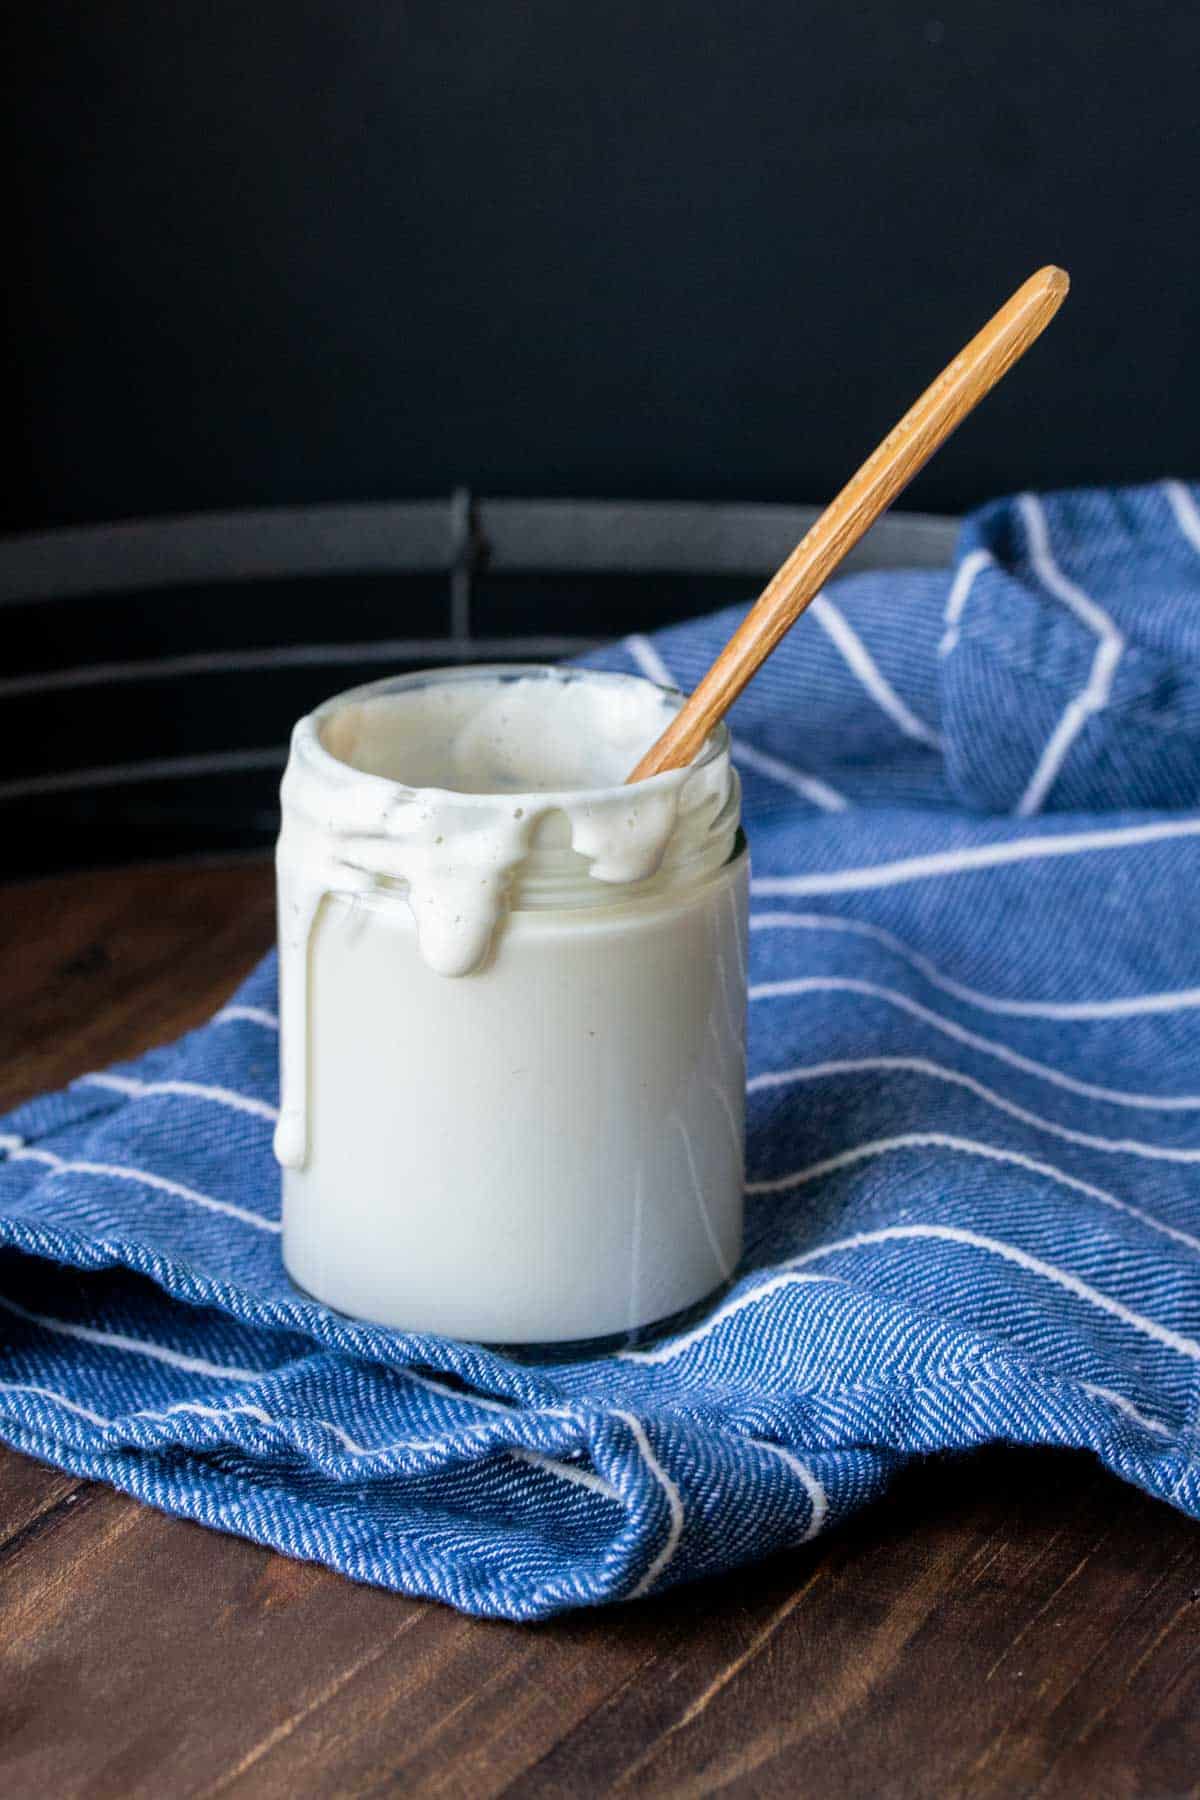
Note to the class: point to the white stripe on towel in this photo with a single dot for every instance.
(862, 664)
(976, 857)
(1187, 513)
(248, 1015)
(818, 1499)
(1124, 1007)
(920, 1065)
(113, 1340)
(674, 1347)
(960, 588)
(809, 787)
(674, 1506)
(1127, 1407)
(1094, 695)
(823, 984)
(186, 1090)
(941, 1140)
(160, 1183)
(1021, 1259)
(649, 661)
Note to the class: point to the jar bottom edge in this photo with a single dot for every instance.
(640, 1337)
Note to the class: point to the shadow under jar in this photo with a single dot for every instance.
(512, 996)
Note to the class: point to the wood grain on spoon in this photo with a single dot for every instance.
(885, 474)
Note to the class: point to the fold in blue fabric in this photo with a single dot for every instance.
(973, 800)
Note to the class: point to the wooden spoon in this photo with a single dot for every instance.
(885, 474)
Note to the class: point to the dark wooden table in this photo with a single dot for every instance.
(1010, 1623)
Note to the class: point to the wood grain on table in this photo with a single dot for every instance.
(1010, 1623)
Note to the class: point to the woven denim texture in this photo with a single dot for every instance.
(974, 1139)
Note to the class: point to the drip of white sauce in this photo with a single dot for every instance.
(443, 789)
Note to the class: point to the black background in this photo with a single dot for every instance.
(295, 250)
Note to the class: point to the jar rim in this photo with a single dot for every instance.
(308, 743)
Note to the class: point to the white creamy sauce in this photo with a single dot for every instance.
(440, 792)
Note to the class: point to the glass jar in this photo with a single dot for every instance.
(545, 1145)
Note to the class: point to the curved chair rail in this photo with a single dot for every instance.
(460, 533)
(155, 665)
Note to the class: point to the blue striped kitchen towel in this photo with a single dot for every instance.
(974, 1144)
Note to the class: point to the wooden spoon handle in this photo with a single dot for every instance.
(885, 474)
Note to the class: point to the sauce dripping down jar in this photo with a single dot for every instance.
(512, 999)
